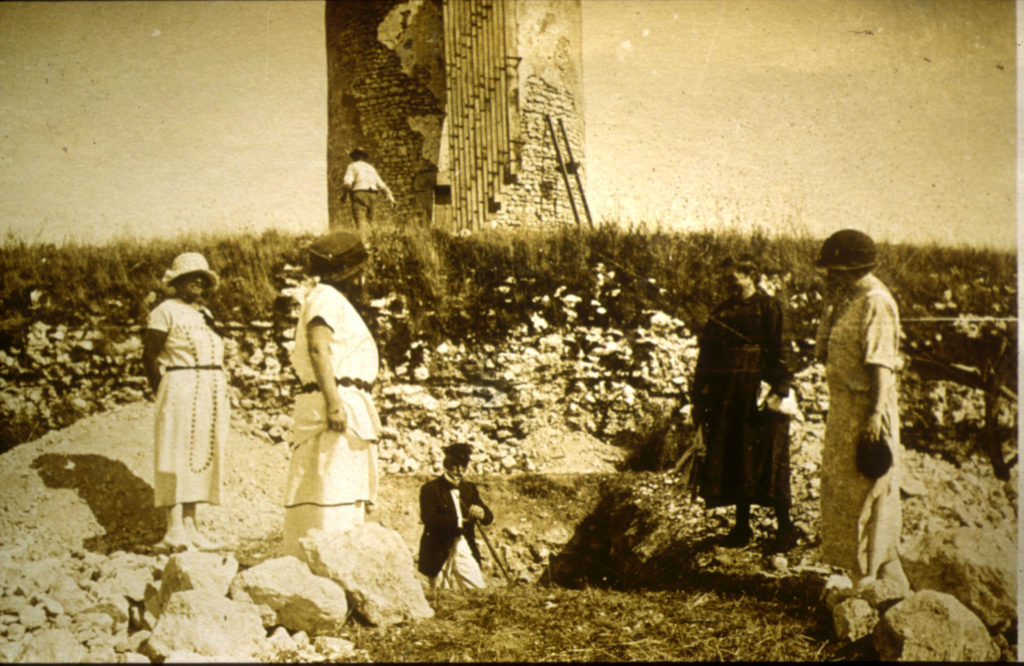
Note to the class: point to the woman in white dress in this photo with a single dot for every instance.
(183, 358)
(332, 477)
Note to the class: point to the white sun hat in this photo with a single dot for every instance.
(190, 262)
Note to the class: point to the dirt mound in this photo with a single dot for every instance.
(558, 451)
(90, 486)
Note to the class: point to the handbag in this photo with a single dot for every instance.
(874, 458)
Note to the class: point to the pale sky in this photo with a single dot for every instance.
(894, 116)
(897, 117)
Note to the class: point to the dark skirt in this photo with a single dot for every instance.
(747, 459)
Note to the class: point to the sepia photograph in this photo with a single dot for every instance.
(509, 330)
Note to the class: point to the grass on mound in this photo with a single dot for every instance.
(528, 623)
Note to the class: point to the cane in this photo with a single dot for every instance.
(487, 541)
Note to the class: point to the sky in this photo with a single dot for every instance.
(897, 117)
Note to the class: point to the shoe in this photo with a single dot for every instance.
(166, 547)
(784, 540)
(738, 537)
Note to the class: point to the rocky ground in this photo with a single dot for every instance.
(77, 502)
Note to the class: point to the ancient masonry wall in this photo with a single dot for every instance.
(387, 94)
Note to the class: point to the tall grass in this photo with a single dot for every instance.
(480, 285)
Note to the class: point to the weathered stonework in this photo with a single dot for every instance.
(390, 89)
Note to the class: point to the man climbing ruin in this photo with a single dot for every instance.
(449, 509)
(361, 185)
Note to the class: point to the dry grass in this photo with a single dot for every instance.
(538, 624)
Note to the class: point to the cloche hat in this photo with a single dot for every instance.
(358, 154)
(848, 250)
(190, 262)
(340, 254)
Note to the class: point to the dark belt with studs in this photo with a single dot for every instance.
(192, 367)
(341, 381)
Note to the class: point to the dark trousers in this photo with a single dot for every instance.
(362, 207)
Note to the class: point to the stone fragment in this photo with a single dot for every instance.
(10, 651)
(129, 579)
(208, 625)
(100, 654)
(853, 619)
(280, 641)
(70, 595)
(932, 626)
(32, 617)
(116, 606)
(375, 567)
(13, 604)
(333, 648)
(15, 632)
(975, 565)
(53, 645)
(86, 626)
(131, 642)
(838, 588)
(196, 570)
(52, 607)
(190, 657)
(134, 658)
(881, 594)
(301, 600)
(37, 576)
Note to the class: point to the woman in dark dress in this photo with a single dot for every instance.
(747, 458)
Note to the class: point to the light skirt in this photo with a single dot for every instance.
(332, 476)
(860, 518)
(300, 520)
(460, 570)
(191, 426)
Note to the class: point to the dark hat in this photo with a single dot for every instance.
(848, 250)
(339, 252)
(744, 263)
(358, 154)
(458, 453)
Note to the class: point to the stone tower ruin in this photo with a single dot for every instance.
(471, 110)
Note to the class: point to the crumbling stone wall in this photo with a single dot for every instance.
(387, 93)
(539, 196)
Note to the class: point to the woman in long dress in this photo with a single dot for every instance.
(858, 340)
(332, 477)
(183, 358)
(747, 457)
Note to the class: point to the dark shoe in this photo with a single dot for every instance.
(784, 540)
(738, 537)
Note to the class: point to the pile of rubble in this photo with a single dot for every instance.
(202, 606)
(963, 603)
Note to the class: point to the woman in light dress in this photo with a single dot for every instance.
(858, 340)
(332, 477)
(183, 358)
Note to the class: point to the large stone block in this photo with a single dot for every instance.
(975, 565)
(302, 600)
(375, 567)
(212, 626)
(932, 626)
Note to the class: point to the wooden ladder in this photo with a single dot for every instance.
(569, 167)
